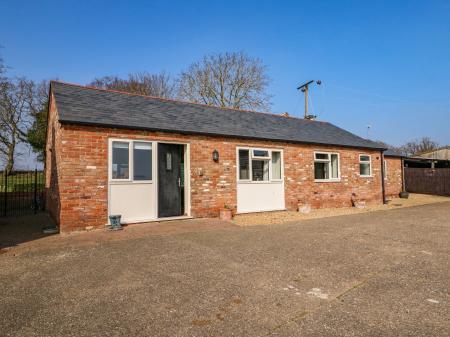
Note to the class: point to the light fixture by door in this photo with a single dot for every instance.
(215, 156)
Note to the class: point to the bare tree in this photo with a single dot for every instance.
(16, 97)
(419, 146)
(2, 70)
(232, 80)
(143, 83)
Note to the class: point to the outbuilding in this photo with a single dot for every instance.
(149, 158)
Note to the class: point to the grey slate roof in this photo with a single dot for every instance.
(83, 105)
(393, 153)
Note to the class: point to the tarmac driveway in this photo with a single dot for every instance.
(378, 274)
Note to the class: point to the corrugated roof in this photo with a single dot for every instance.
(91, 106)
(443, 153)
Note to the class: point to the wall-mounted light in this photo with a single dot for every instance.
(215, 155)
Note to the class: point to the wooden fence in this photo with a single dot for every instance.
(427, 180)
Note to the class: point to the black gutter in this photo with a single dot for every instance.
(403, 175)
(383, 190)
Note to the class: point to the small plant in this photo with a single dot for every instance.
(226, 213)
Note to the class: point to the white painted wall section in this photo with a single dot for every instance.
(259, 197)
(135, 202)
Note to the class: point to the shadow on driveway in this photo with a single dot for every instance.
(22, 229)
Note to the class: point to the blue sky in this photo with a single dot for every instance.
(382, 63)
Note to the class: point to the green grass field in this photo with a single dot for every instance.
(21, 182)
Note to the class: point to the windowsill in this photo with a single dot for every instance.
(365, 176)
(259, 182)
(121, 182)
(327, 180)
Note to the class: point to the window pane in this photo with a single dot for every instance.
(260, 153)
(120, 158)
(321, 155)
(260, 170)
(364, 158)
(276, 165)
(334, 166)
(321, 171)
(364, 169)
(168, 161)
(243, 165)
(142, 162)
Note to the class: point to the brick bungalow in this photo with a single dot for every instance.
(149, 158)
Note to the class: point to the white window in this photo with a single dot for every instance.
(365, 165)
(264, 154)
(260, 170)
(131, 160)
(276, 165)
(259, 165)
(326, 166)
(142, 161)
(120, 161)
(244, 165)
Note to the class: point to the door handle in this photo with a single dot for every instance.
(179, 182)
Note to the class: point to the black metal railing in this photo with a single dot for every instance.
(21, 192)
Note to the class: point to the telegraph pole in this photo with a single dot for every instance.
(304, 88)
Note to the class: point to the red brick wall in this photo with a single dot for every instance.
(300, 184)
(393, 182)
(82, 170)
(52, 162)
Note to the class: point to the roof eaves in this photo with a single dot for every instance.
(185, 132)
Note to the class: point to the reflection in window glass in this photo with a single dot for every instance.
(334, 166)
(364, 169)
(120, 160)
(260, 170)
(168, 161)
(243, 165)
(364, 165)
(142, 161)
(321, 170)
(260, 153)
(322, 156)
(276, 165)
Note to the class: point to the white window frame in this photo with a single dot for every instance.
(365, 162)
(385, 168)
(269, 157)
(331, 179)
(250, 168)
(281, 166)
(130, 161)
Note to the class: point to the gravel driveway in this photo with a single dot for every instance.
(375, 274)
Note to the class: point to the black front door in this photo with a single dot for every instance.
(170, 180)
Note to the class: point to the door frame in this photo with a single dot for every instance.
(187, 180)
(155, 173)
